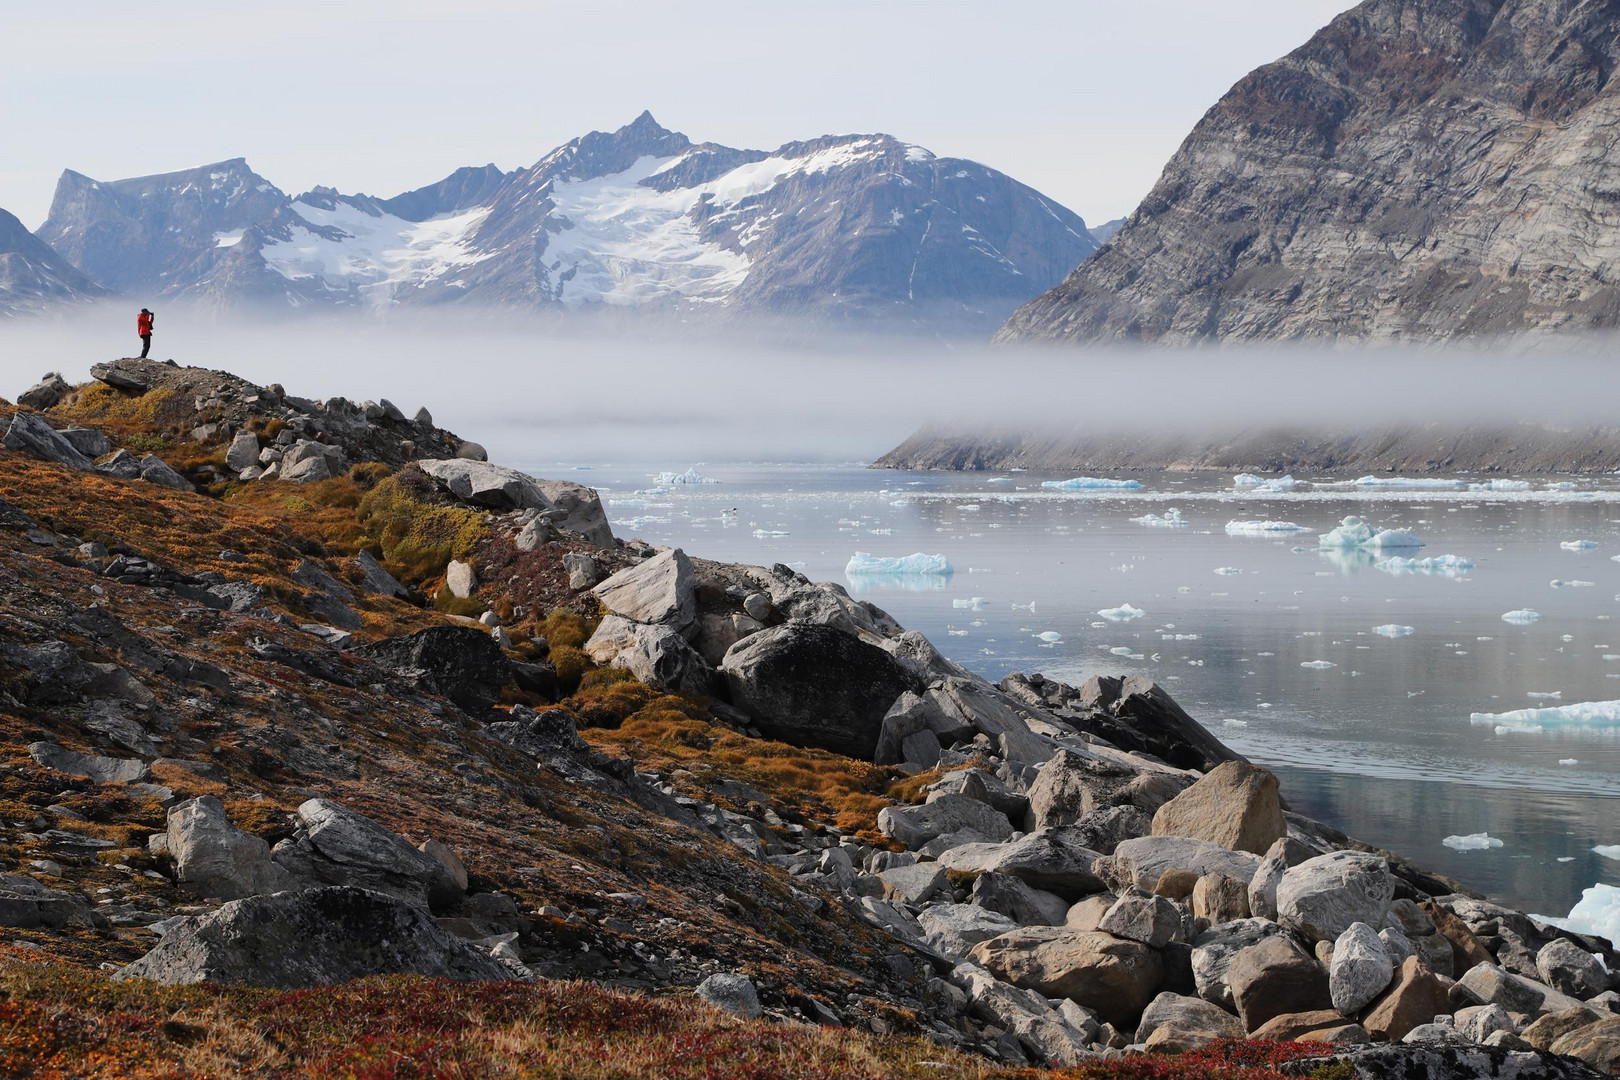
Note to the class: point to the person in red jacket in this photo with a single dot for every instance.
(143, 327)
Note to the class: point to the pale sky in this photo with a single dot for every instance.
(1083, 99)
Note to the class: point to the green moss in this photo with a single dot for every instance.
(418, 538)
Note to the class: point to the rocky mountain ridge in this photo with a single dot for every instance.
(858, 229)
(431, 714)
(1419, 170)
(33, 278)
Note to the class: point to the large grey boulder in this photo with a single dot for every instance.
(1361, 969)
(656, 655)
(45, 393)
(1322, 897)
(103, 770)
(1142, 861)
(1042, 1031)
(339, 846)
(1049, 860)
(375, 579)
(26, 904)
(914, 883)
(1188, 1014)
(812, 685)
(1142, 916)
(731, 993)
(243, 453)
(660, 590)
(1071, 786)
(1234, 805)
(567, 506)
(463, 663)
(1114, 977)
(1570, 969)
(87, 441)
(1489, 984)
(977, 705)
(30, 434)
(1214, 950)
(1024, 905)
(914, 826)
(318, 937)
(1273, 977)
(952, 930)
(214, 858)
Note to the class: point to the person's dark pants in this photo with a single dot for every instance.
(146, 345)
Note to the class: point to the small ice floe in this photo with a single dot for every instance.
(1263, 528)
(1560, 583)
(1262, 484)
(1580, 714)
(690, 476)
(1518, 729)
(1090, 483)
(1123, 613)
(1051, 637)
(900, 502)
(1437, 565)
(1472, 842)
(1393, 630)
(1608, 851)
(1171, 519)
(1353, 533)
(999, 480)
(1597, 912)
(977, 603)
(765, 534)
(967, 506)
(1318, 665)
(1569, 761)
(1125, 651)
(1545, 695)
(1233, 722)
(1521, 616)
(1501, 485)
(1420, 482)
(1579, 545)
(1227, 570)
(1562, 485)
(862, 564)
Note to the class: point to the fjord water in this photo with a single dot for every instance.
(1379, 744)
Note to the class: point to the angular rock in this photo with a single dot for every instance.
(660, 590)
(1275, 977)
(1361, 969)
(1217, 898)
(338, 846)
(914, 826)
(734, 994)
(1154, 722)
(317, 937)
(952, 930)
(1435, 1062)
(583, 571)
(243, 453)
(1113, 977)
(1467, 950)
(1234, 805)
(27, 904)
(1416, 998)
(1596, 1044)
(31, 434)
(1144, 860)
(1071, 786)
(1141, 916)
(814, 686)
(214, 858)
(1491, 985)
(1570, 969)
(656, 655)
(1088, 914)
(447, 858)
(914, 884)
(1042, 1031)
(376, 580)
(460, 579)
(87, 441)
(1322, 897)
(990, 712)
(1485, 1021)
(1189, 1014)
(103, 770)
(1107, 828)
(45, 393)
(1049, 860)
(460, 662)
(575, 508)
(1026, 906)
(1548, 1029)
(1286, 1027)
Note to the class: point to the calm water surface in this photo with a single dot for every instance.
(1374, 736)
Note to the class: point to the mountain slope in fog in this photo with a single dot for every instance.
(862, 228)
(32, 276)
(1419, 169)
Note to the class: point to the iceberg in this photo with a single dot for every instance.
(1050, 636)
(690, 476)
(1262, 528)
(1441, 565)
(1420, 482)
(1393, 630)
(1252, 482)
(1123, 613)
(1170, 520)
(1608, 851)
(1501, 485)
(1318, 665)
(1581, 714)
(1472, 842)
(1578, 545)
(1597, 912)
(1352, 532)
(863, 565)
(1089, 483)
(1521, 617)
(1385, 539)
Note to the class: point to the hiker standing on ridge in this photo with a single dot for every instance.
(143, 327)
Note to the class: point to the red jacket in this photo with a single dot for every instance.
(143, 324)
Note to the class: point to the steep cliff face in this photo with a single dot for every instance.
(1419, 169)
(33, 277)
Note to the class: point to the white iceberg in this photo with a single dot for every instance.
(1252, 482)
(862, 564)
(1089, 483)
(1521, 616)
(1472, 842)
(1050, 636)
(1123, 613)
(690, 476)
(1170, 520)
(1355, 533)
(1580, 714)
(1227, 570)
(1578, 545)
(1431, 483)
(1394, 539)
(1262, 528)
(975, 604)
(1501, 485)
(1393, 630)
(1439, 565)
(1597, 912)
(1318, 665)
(1608, 851)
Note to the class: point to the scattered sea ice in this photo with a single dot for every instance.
(1255, 483)
(1578, 545)
(1580, 714)
(1318, 665)
(976, 603)
(1227, 570)
(1569, 761)
(1408, 482)
(1608, 851)
(1262, 528)
(1171, 519)
(1393, 630)
(1050, 636)
(1472, 842)
(690, 476)
(1122, 613)
(1501, 485)
(1521, 617)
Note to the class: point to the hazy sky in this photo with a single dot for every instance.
(1083, 99)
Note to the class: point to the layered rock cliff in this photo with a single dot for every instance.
(1419, 169)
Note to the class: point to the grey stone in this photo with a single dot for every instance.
(1273, 977)
(243, 453)
(460, 579)
(577, 509)
(87, 441)
(1049, 860)
(914, 884)
(953, 930)
(731, 993)
(1026, 906)
(103, 770)
(1046, 1033)
(318, 937)
(1142, 861)
(1322, 897)
(29, 433)
(1188, 1013)
(758, 607)
(338, 846)
(656, 655)
(659, 590)
(1115, 977)
(1489, 984)
(1570, 969)
(45, 393)
(1214, 949)
(376, 580)
(1141, 916)
(27, 904)
(583, 571)
(1361, 969)
(1484, 1021)
(214, 858)
(914, 826)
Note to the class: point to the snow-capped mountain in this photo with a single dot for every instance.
(32, 276)
(854, 228)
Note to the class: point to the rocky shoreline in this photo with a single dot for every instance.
(1056, 875)
(1530, 449)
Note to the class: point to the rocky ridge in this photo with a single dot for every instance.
(1056, 874)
